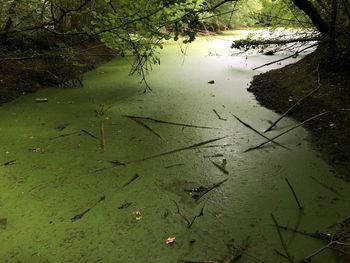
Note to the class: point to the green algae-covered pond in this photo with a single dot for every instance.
(54, 178)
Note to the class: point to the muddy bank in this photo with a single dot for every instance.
(21, 75)
(280, 89)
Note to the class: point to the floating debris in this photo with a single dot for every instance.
(41, 100)
(170, 240)
(138, 214)
(211, 82)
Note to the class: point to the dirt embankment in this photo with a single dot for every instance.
(280, 89)
(20, 76)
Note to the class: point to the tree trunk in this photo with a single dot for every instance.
(307, 7)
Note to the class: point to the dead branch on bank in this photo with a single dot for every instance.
(297, 103)
(294, 194)
(287, 131)
(256, 131)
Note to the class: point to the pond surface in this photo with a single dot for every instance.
(54, 179)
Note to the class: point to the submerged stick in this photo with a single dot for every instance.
(294, 194)
(90, 134)
(102, 136)
(222, 169)
(283, 133)
(218, 115)
(194, 146)
(296, 104)
(189, 222)
(136, 176)
(169, 122)
(9, 163)
(317, 235)
(284, 245)
(64, 135)
(256, 131)
(330, 188)
(80, 216)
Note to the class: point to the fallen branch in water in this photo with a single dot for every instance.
(174, 165)
(9, 163)
(317, 235)
(282, 59)
(189, 222)
(64, 135)
(207, 190)
(330, 188)
(297, 103)
(221, 168)
(256, 131)
(145, 126)
(329, 245)
(169, 122)
(218, 115)
(90, 134)
(284, 245)
(102, 135)
(117, 163)
(294, 194)
(80, 216)
(136, 176)
(287, 131)
(194, 146)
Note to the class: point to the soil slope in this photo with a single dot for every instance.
(280, 89)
